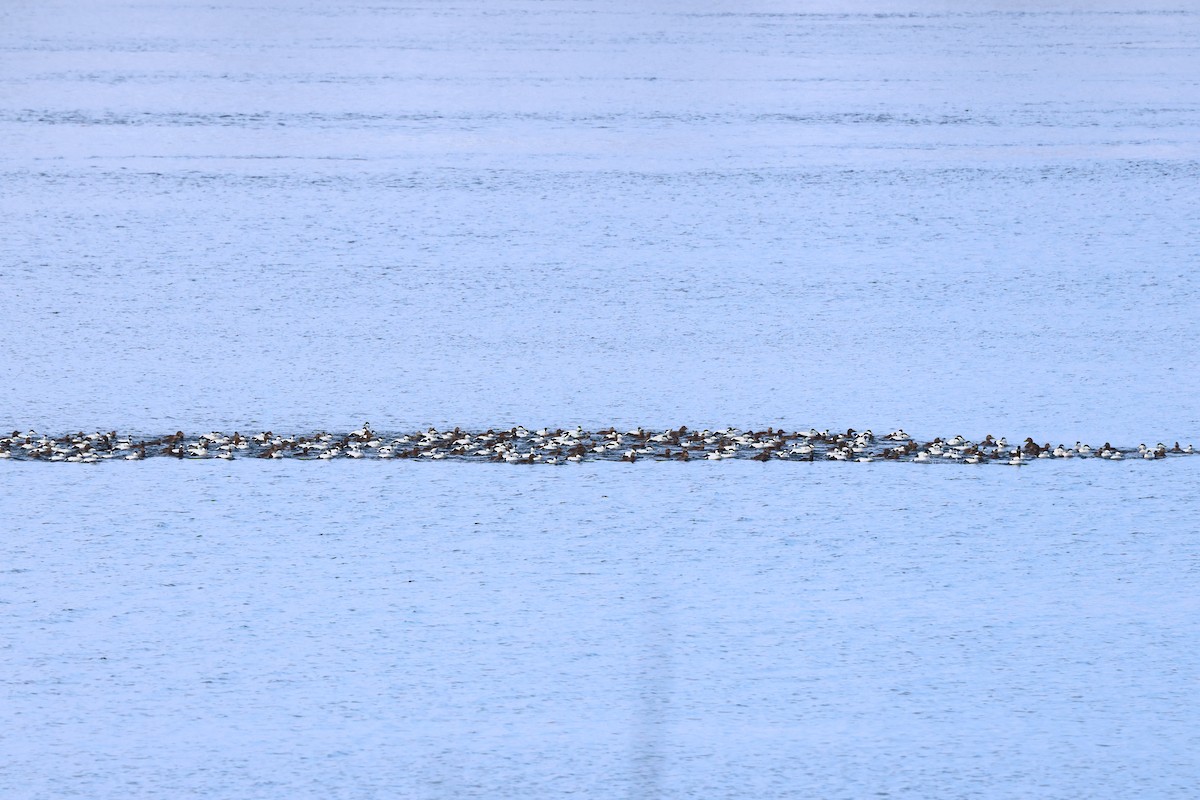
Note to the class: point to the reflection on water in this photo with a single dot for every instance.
(652, 725)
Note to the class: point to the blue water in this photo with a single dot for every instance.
(294, 216)
(297, 216)
(374, 629)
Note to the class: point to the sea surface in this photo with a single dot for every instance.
(295, 215)
(564, 213)
(290, 629)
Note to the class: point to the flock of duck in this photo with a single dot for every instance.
(545, 446)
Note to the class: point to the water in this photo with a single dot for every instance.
(269, 630)
(293, 216)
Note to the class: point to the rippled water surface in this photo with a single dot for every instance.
(354, 629)
(565, 213)
(301, 215)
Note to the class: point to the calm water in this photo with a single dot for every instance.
(482, 214)
(297, 216)
(294, 630)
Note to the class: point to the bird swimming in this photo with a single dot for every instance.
(545, 445)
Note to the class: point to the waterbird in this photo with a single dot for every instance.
(555, 446)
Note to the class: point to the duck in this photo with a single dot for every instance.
(557, 446)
